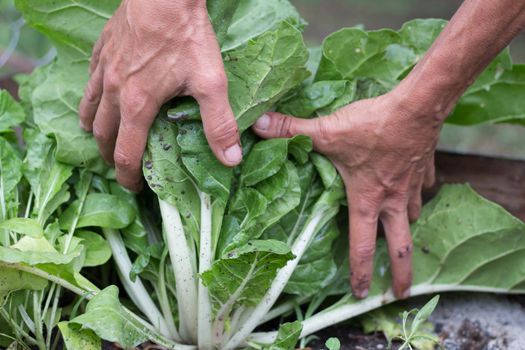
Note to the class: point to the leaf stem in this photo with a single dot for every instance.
(204, 321)
(181, 261)
(135, 290)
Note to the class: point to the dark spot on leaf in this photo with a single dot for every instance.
(149, 164)
(425, 250)
(166, 147)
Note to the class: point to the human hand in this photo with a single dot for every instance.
(384, 151)
(149, 52)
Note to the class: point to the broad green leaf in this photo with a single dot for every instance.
(106, 317)
(76, 338)
(11, 113)
(23, 226)
(267, 158)
(243, 277)
(461, 242)
(313, 97)
(97, 250)
(264, 71)
(210, 175)
(99, 210)
(12, 280)
(287, 337)
(45, 174)
(317, 266)
(34, 251)
(221, 13)
(497, 102)
(253, 18)
(73, 27)
(167, 177)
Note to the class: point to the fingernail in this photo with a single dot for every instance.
(406, 293)
(233, 154)
(263, 122)
(361, 294)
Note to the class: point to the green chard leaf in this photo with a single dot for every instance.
(287, 337)
(106, 317)
(13, 280)
(11, 113)
(99, 210)
(76, 338)
(23, 226)
(243, 277)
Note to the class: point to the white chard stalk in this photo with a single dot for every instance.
(136, 290)
(181, 260)
(205, 259)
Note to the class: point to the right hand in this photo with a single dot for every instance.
(148, 53)
(384, 150)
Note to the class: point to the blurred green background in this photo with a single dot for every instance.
(24, 47)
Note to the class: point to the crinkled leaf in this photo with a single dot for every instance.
(253, 18)
(244, 276)
(210, 175)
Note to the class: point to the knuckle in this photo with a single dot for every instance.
(323, 137)
(126, 161)
(210, 83)
(90, 94)
(100, 134)
(111, 81)
(223, 130)
(364, 251)
(285, 126)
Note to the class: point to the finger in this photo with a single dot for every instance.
(415, 198)
(99, 44)
(272, 125)
(363, 231)
(106, 125)
(414, 205)
(219, 122)
(91, 100)
(397, 232)
(430, 174)
(138, 111)
(95, 55)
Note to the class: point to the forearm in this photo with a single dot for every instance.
(479, 30)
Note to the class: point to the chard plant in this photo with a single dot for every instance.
(212, 252)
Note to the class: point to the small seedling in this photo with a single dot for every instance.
(412, 328)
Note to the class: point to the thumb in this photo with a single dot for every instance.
(220, 126)
(272, 125)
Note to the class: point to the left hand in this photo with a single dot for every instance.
(384, 150)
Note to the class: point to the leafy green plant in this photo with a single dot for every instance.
(215, 252)
(412, 328)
